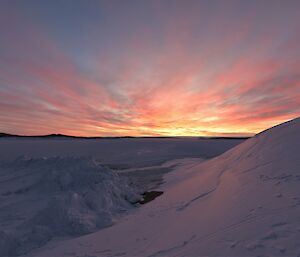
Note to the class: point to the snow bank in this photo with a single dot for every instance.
(43, 198)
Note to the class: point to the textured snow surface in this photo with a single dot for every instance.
(47, 197)
(245, 202)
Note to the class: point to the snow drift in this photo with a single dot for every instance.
(47, 197)
(245, 202)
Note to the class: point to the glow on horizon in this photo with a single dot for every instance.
(178, 68)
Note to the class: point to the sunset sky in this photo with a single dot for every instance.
(146, 67)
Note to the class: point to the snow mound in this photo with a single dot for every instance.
(48, 197)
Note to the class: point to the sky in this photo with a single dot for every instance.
(148, 68)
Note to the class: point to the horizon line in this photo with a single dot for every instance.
(53, 135)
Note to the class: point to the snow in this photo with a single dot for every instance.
(244, 202)
(47, 197)
(65, 188)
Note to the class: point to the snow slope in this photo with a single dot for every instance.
(245, 202)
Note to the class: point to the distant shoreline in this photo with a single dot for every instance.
(61, 136)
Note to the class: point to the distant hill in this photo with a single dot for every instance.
(57, 136)
(5, 135)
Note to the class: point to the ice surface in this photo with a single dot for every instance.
(119, 153)
(243, 203)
